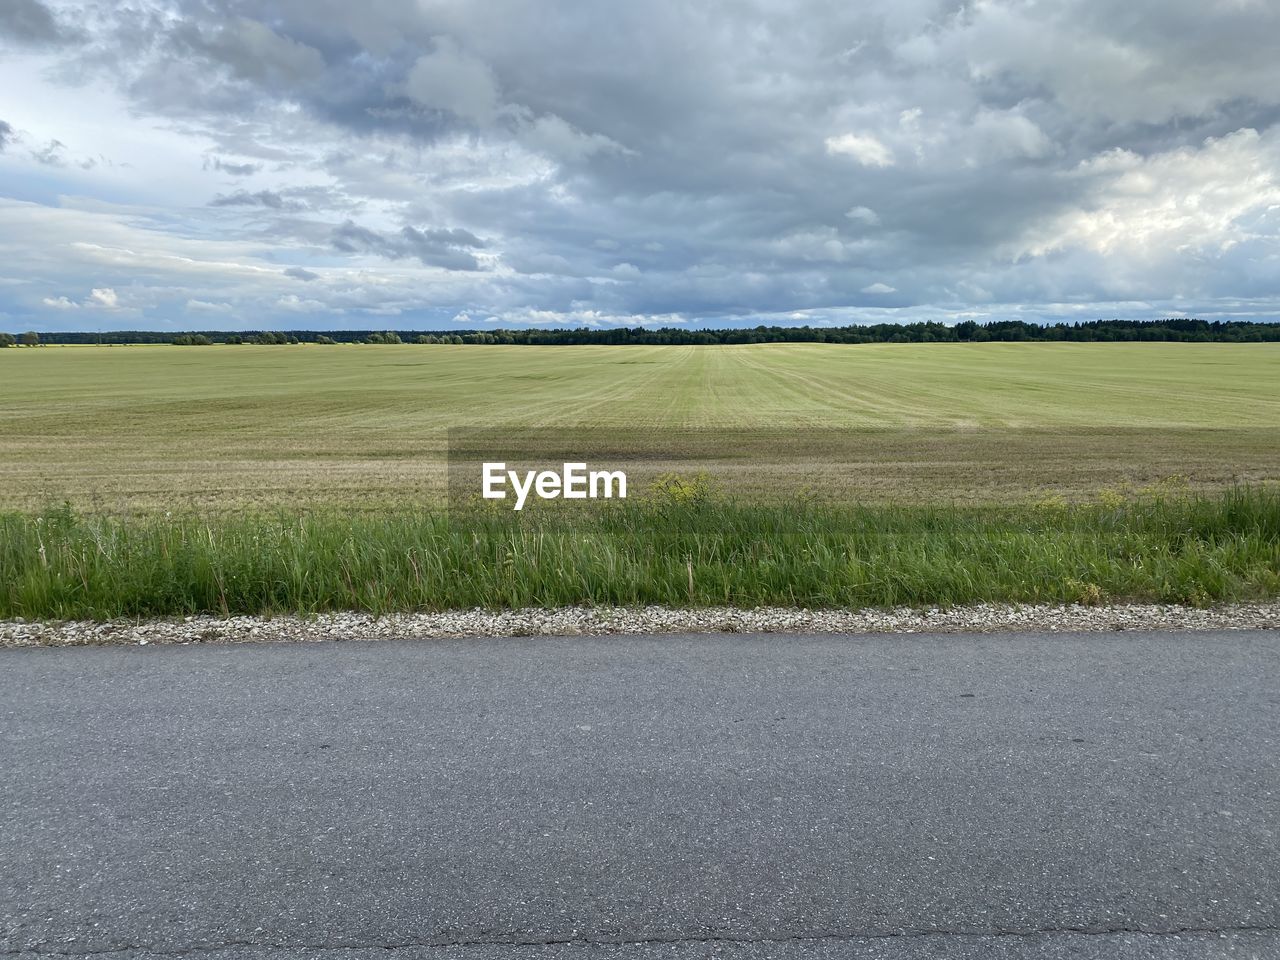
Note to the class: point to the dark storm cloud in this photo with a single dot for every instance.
(432, 247)
(301, 273)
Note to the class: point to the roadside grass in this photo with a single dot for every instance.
(674, 550)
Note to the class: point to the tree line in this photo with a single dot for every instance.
(28, 339)
(1173, 329)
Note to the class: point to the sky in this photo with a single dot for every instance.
(442, 164)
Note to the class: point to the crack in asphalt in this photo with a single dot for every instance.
(653, 940)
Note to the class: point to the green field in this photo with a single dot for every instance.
(145, 481)
(145, 429)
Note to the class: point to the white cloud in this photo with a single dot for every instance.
(103, 297)
(864, 148)
(205, 306)
(100, 298)
(879, 288)
(584, 317)
(293, 303)
(1181, 200)
(863, 215)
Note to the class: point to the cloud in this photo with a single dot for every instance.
(100, 298)
(446, 248)
(554, 137)
(1005, 134)
(864, 148)
(30, 23)
(261, 198)
(453, 80)
(1185, 63)
(535, 163)
(292, 303)
(865, 215)
(879, 288)
(234, 169)
(205, 306)
(51, 154)
(450, 79)
(103, 297)
(254, 51)
(1200, 200)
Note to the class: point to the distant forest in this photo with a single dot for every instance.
(1180, 330)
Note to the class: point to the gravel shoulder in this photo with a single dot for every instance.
(578, 621)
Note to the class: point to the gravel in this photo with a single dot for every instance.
(982, 618)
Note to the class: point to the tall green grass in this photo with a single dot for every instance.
(1191, 549)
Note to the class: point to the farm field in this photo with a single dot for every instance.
(124, 430)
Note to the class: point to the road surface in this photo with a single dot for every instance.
(1104, 795)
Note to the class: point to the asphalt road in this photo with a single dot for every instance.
(893, 797)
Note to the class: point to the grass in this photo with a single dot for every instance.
(1191, 548)
(301, 479)
(123, 430)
